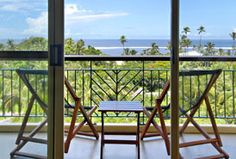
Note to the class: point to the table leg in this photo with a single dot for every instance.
(138, 139)
(102, 136)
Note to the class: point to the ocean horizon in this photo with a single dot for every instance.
(113, 47)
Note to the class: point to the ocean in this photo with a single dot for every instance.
(113, 47)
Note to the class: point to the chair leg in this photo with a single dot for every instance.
(26, 117)
(211, 115)
(159, 133)
(164, 130)
(147, 125)
(74, 130)
(185, 125)
(71, 128)
(78, 127)
(205, 134)
(87, 118)
(29, 138)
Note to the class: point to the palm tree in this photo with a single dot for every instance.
(185, 42)
(123, 41)
(200, 30)
(10, 44)
(221, 52)
(233, 36)
(80, 47)
(1, 46)
(132, 52)
(186, 30)
(70, 46)
(210, 48)
(154, 50)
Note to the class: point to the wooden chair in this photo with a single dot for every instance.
(23, 138)
(189, 112)
(161, 129)
(73, 130)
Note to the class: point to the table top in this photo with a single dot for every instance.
(120, 106)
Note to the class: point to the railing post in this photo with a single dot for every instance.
(143, 76)
(117, 84)
(233, 79)
(91, 81)
(3, 88)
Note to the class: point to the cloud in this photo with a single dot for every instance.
(73, 15)
(37, 26)
(10, 7)
(21, 6)
(234, 30)
(93, 17)
(71, 9)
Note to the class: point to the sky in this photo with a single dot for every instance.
(109, 19)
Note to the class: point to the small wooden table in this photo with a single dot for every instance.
(120, 106)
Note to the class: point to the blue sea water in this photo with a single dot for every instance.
(113, 47)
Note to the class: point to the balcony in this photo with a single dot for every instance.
(94, 84)
(151, 148)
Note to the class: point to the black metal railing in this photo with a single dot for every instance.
(120, 84)
(96, 84)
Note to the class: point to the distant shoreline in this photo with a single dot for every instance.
(145, 43)
(146, 47)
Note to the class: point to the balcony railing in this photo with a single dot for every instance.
(96, 84)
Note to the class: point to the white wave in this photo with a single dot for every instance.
(224, 48)
(147, 47)
(129, 47)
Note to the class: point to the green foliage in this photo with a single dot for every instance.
(128, 51)
(210, 49)
(1, 47)
(11, 45)
(34, 44)
(70, 46)
(80, 47)
(154, 50)
(185, 42)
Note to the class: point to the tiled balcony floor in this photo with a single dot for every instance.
(84, 148)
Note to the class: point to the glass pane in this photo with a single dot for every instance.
(23, 27)
(117, 28)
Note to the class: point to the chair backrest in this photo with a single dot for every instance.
(200, 83)
(196, 84)
(26, 77)
(164, 91)
(71, 90)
